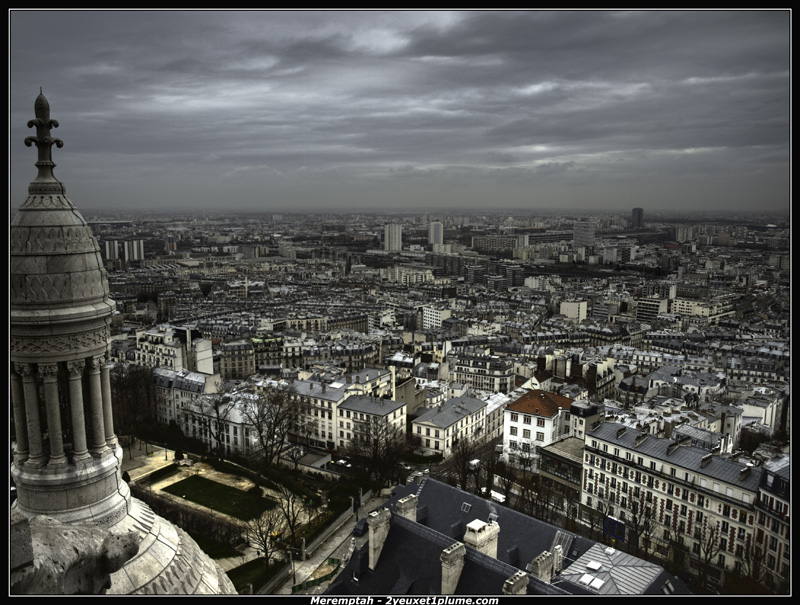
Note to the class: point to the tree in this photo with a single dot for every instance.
(133, 396)
(641, 522)
(376, 449)
(753, 561)
(294, 509)
(265, 531)
(215, 412)
(489, 466)
(710, 546)
(463, 451)
(538, 499)
(270, 415)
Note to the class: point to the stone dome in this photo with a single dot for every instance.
(66, 457)
(59, 297)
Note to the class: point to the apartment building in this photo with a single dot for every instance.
(483, 372)
(174, 348)
(672, 500)
(174, 390)
(771, 555)
(362, 417)
(439, 428)
(536, 419)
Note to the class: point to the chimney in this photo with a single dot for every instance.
(452, 559)
(558, 558)
(407, 507)
(378, 523)
(482, 537)
(516, 584)
(542, 567)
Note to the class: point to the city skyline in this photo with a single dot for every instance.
(385, 110)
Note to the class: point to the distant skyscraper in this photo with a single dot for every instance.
(436, 233)
(637, 218)
(583, 234)
(393, 238)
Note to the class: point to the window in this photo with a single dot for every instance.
(539, 436)
(514, 417)
(540, 422)
(513, 430)
(526, 419)
(526, 434)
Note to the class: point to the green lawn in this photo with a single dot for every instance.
(214, 549)
(221, 498)
(253, 572)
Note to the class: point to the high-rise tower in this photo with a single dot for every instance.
(393, 238)
(637, 218)
(436, 233)
(66, 457)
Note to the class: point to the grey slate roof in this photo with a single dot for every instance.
(371, 405)
(410, 562)
(451, 411)
(521, 538)
(685, 457)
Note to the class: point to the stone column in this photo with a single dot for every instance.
(31, 397)
(20, 419)
(49, 374)
(98, 445)
(80, 451)
(108, 414)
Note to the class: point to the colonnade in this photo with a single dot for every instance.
(31, 381)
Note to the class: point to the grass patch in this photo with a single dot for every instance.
(253, 572)
(214, 549)
(221, 498)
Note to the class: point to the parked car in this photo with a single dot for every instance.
(361, 527)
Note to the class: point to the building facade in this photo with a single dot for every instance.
(536, 419)
(676, 502)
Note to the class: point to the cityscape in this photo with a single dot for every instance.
(519, 396)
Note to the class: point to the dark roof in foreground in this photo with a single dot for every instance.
(410, 561)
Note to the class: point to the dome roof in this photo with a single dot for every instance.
(58, 286)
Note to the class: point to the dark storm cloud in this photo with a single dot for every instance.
(367, 108)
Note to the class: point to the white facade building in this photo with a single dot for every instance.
(536, 419)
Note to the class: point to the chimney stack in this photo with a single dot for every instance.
(407, 507)
(482, 537)
(542, 567)
(516, 584)
(378, 523)
(452, 563)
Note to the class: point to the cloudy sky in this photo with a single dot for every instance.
(393, 111)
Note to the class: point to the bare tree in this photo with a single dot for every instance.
(710, 547)
(265, 531)
(752, 561)
(133, 396)
(538, 499)
(463, 451)
(641, 522)
(489, 466)
(293, 508)
(376, 449)
(270, 415)
(215, 412)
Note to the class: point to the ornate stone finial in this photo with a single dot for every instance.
(45, 182)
